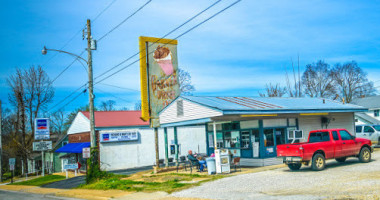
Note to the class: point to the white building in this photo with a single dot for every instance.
(251, 128)
(372, 116)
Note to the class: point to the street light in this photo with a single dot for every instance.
(91, 45)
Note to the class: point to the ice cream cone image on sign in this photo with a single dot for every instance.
(163, 57)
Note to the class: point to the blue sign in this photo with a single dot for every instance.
(41, 129)
(106, 137)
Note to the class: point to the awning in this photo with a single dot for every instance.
(73, 147)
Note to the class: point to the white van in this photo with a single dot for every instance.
(371, 132)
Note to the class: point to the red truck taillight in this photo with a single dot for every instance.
(301, 150)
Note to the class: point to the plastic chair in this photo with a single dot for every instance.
(182, 162)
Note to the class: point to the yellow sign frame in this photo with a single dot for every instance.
(145, 109)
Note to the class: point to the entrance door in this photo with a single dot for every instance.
(246, 148)
(269, 143)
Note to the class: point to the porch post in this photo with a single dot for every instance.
(176, 144)
(214, 127)
(261, 134)
(166, 147)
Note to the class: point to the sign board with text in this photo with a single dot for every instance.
(12, 161)
(131, 135)
(86, 152)
(42, 146)
(41, 129)
(70, 166)
(159, 76)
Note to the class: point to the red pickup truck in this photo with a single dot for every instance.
(322, 145)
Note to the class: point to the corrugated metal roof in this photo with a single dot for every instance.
(368, 102)
(272, 103)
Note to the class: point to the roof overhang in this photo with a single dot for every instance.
(267, 112)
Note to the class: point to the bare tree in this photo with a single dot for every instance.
(57, 122)
(31, 91)
(293, 90)
(138, 105)
(184, 80)
(273, 91)
(318, 80)
(107, 105)
(352, 81)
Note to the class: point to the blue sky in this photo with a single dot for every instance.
(234, 54)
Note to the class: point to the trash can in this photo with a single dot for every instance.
(211, 168)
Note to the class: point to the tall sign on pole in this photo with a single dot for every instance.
(42, 132)
(159, 79)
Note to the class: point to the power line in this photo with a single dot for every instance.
(126, 19)
(84, 91)
(192, 28)
(63, 100)
(170, 32)
(214, 15)
(115, 86)
(113, 95)
(66, 68)
(79, 31)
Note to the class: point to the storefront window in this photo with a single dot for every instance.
(268, 138)
(219, 139)
(245, 139)
(231, 139)
(280, 136)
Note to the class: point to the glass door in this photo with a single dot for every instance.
(246, 148)
(269, 142)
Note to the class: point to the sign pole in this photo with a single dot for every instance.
(43, 163)
(1, 147)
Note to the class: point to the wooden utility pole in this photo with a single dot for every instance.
(156, 145)
(90, 86)
(1, 146)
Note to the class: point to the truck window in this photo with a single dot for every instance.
(358, 129)
(319, 137)
(345, 135)
(335, 135)
(368, 129)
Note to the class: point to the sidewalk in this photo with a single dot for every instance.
(117, 194)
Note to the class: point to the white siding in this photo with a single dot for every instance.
(80, 124)
(337, 120)
(123, 155)
(191, 111)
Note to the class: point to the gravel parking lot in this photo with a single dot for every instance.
(350, 180)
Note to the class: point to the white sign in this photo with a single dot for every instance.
(132, 135)
(11, 167)
(86, 152)
(70, 166)
(12, 161)
(42, 146)
(41, 129)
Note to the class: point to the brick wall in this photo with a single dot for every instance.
(79, 137)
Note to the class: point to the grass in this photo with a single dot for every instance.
(41, 180)
(165, 182)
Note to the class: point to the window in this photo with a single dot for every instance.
(268, 138)
(245, 139)
(335, 135)
(376, 113)
(179, 108)
(345, 135)
(377, 127)
(319, 137)
(231, 139)
(368, 129)
(358, 129)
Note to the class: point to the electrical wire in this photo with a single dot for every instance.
(84, 91)
(122, 22)
(113, 95)
(101, 13)
(115, 86)
(63, 100)
(192, 28)
(204, 21)
(170, 32)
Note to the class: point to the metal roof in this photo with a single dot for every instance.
(368, 119)
(368, 102)
(229, 105)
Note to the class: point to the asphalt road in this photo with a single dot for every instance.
(67, 183)
(349, 180)
(10, 195)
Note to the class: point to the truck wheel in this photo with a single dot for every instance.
(365, 155)
(318, 162)
(341, 159)
(294, 166)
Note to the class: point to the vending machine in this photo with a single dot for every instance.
(222, 161)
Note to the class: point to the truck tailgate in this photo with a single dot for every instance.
(285, 150)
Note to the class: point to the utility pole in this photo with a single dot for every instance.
(1, 146)
(90, 86)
